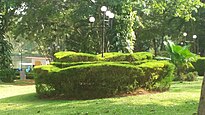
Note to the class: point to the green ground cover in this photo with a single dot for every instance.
(181, 99)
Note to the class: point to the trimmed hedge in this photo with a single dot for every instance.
(113, 56)
(199, 65)
(138, 56)
(104, 79)
(7, 75)
(74, 57)
(69, 64)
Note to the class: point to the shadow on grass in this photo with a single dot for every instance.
(20, 82)
(31, 104)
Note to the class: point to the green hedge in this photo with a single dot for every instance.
(7, 75)
(100, 80)
(74, 57)
(199, 65)
(113, 56)
(69, 64)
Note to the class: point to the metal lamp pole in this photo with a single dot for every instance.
(103, 9)
(105, 13)
(21, 61)
(195, 43)
(21, 56)
(185, 35)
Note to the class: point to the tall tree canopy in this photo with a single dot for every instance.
(138, 25)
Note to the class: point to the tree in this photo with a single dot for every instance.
(201, 107)
(138, 25)
(6, 13)
(48, 21)
(161, 18)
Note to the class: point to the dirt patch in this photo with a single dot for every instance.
(24, 82)
(139, 91)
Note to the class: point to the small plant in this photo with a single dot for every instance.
(191, 76)
(7, 75)
(180, 56)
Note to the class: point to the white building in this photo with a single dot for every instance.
(36, 61)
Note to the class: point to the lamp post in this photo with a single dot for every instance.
(21, 60)
(110, 15)
(195, 48)
(22, 72)
(185, 35)
(195, 43)
(21, 55)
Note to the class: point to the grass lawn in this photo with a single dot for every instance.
(182, 99)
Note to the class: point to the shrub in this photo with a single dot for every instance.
(30, 75)
(103, 79)
(159, 75)
(69, 64)
(199, 65)
(7, 75)
(114, 56)
(191, 76)
(74, 57)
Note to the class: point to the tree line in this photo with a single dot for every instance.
(138, 25)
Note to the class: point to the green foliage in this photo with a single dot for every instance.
(138, 56)
(181, 57)
(199, 65)
(7, 75)
(103, 79)
(69, 64)
(160, 18)
(190, 76)
(30, 75)
(74, 57)
(181, 99)
(66, 23)
(5, 51)
(125, 17)
(161, 81)
(112, 56)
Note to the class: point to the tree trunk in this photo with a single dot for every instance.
(201, 108)
(155, 47)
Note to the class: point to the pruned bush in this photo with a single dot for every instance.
(199, 65)
(74, 57)
(114, 56)
(104, 79)
(69, 64)
(7, 75)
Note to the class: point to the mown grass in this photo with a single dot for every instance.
(182, 99)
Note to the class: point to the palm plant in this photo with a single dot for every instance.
(180, 56)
